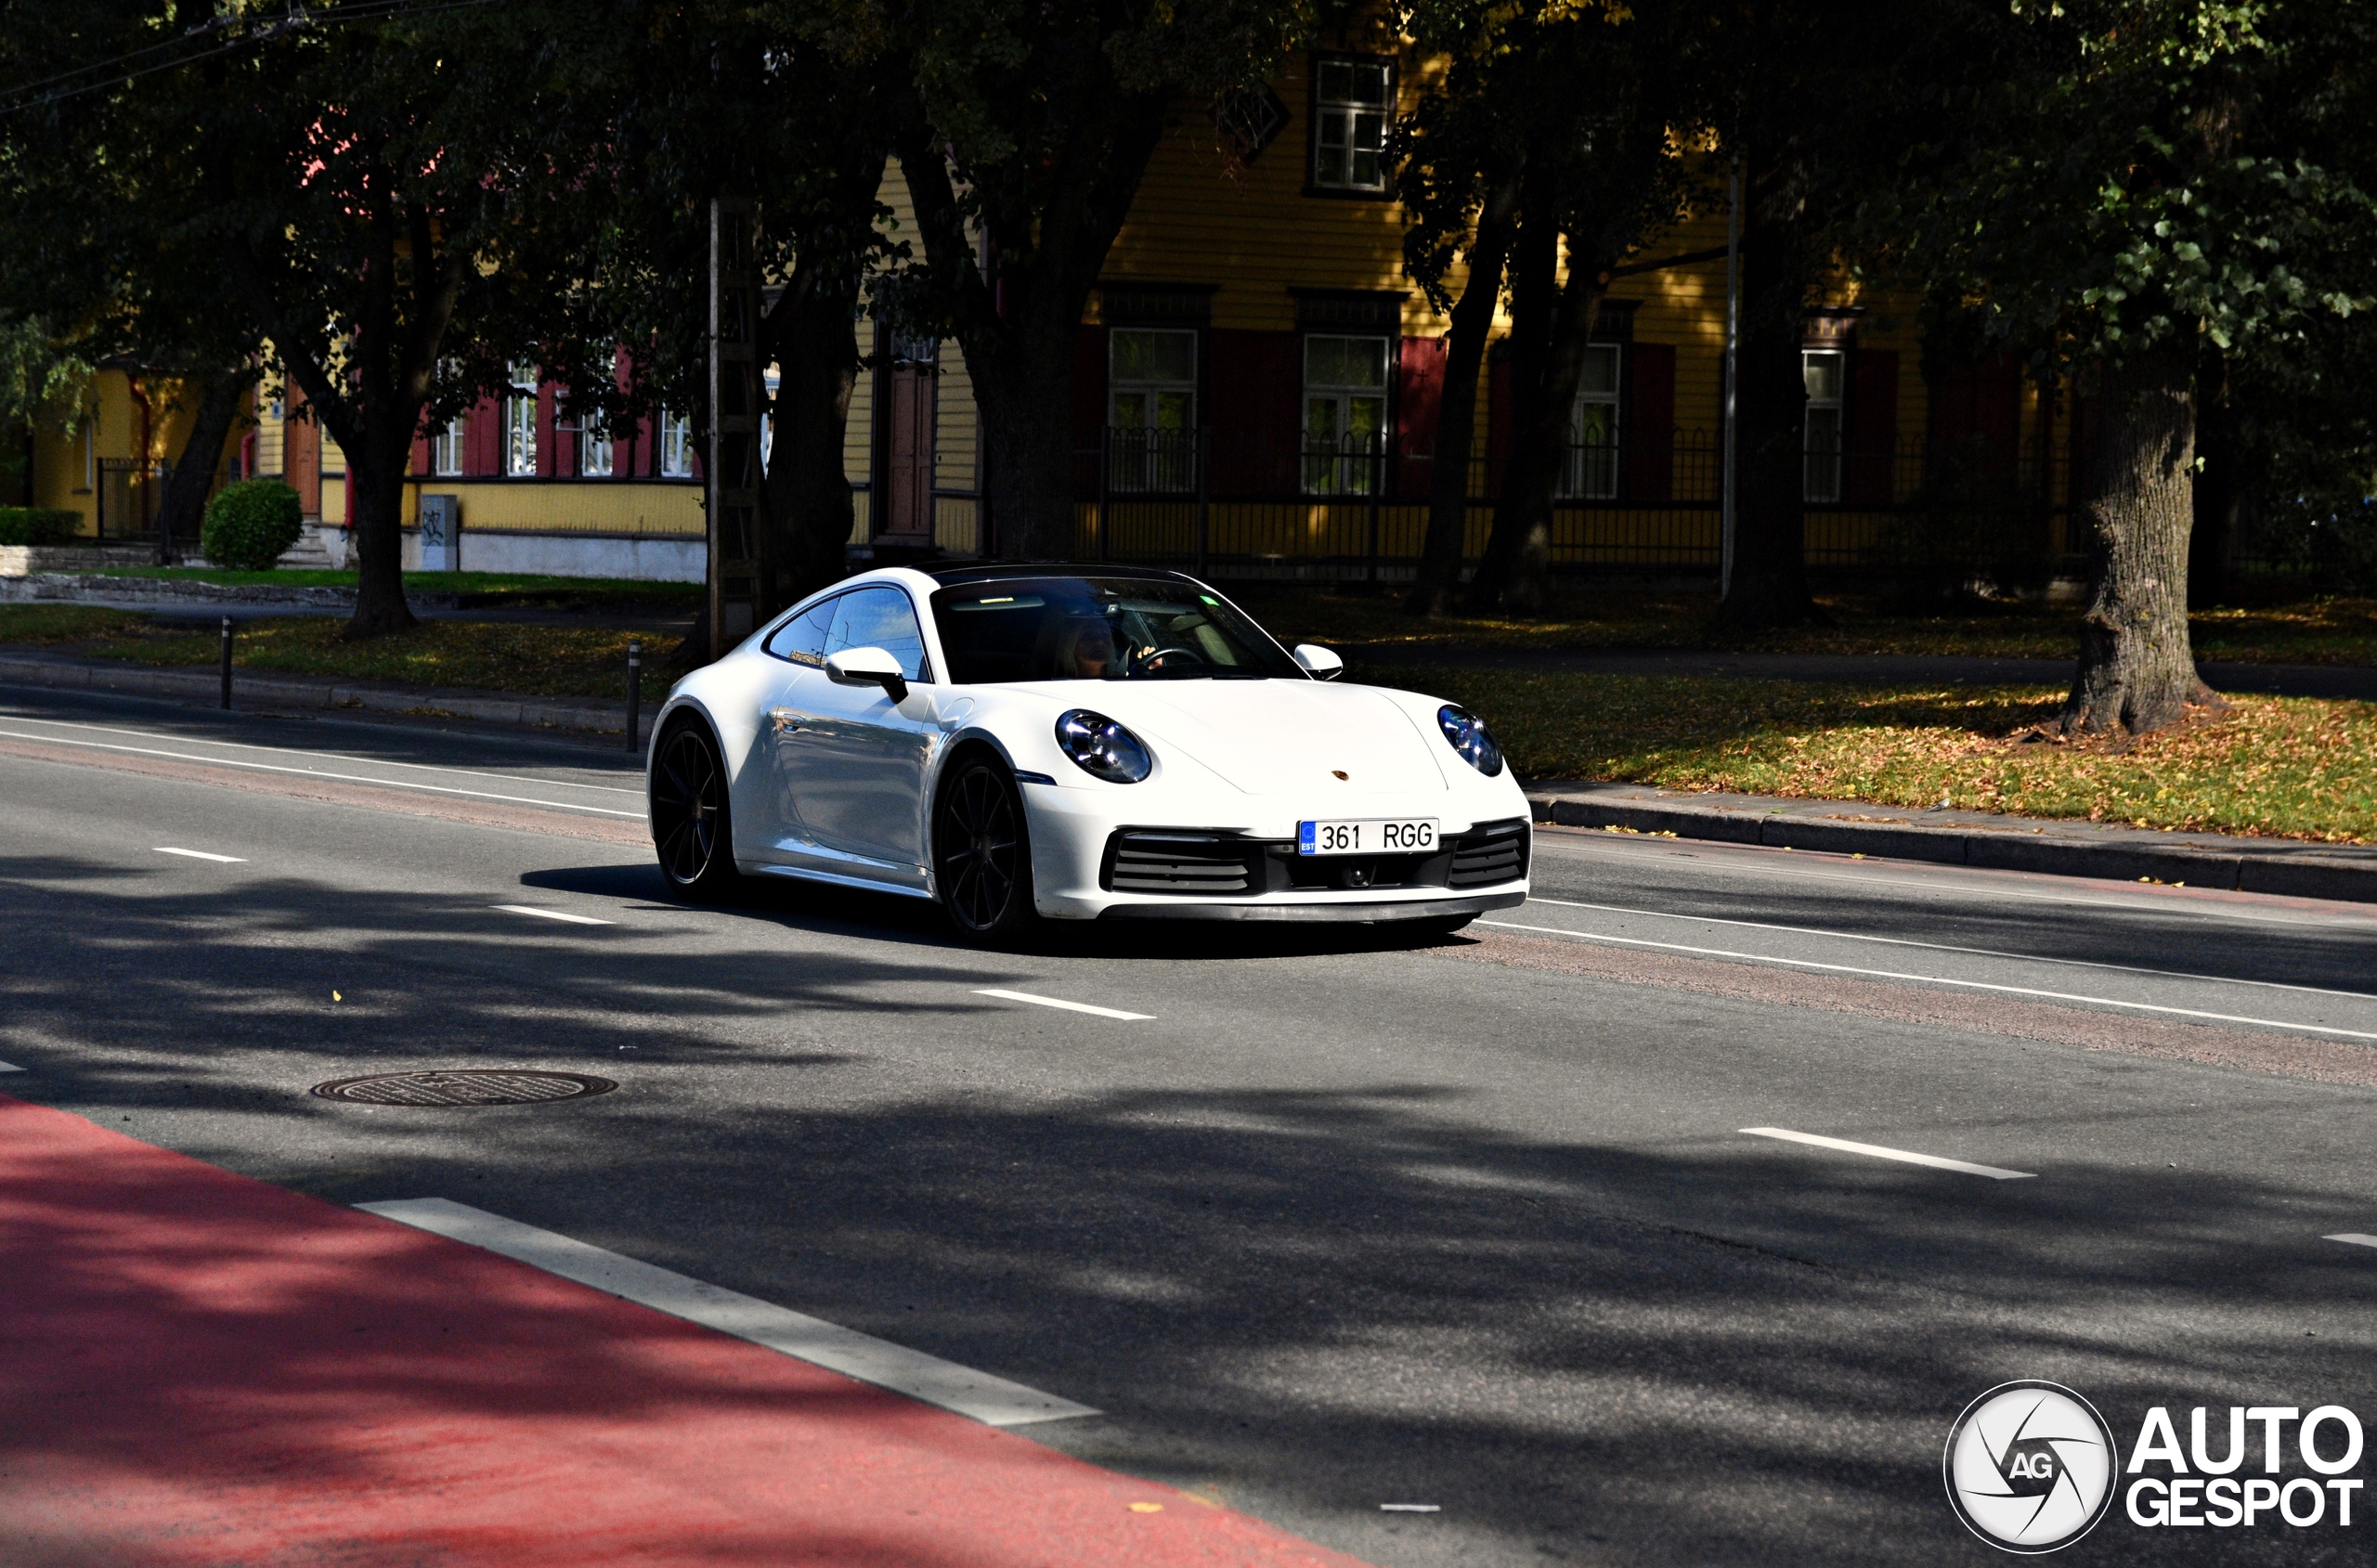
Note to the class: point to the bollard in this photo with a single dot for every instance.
(227, 661)
(635, 689)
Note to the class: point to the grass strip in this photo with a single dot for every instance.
(2319, 630)
(533, 660)
(2278, 767)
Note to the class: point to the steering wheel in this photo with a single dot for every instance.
(1154, 662)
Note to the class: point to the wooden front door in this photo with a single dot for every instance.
(908, 454)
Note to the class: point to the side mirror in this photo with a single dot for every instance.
(868, 667)
(1319, 662)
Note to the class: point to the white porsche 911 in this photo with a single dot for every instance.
(1105, 743)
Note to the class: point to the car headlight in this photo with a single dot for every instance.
(1470, 737)
(1104, 750)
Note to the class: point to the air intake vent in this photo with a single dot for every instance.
(1489, 853)
(1155, 863)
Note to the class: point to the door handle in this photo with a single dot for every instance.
(787, 721)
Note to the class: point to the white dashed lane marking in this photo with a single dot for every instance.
(992, 1400)
(553, 914)
(1068, 1007)
(2355, 1237)
(1878, 1152)
(201, 855)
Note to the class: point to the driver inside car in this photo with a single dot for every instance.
(1089, 651)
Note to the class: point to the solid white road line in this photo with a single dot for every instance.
(318, 773)
(1068, 1007)
(10, 1066)
(333, 756)
(992, 1401)
(1936, 980)
(2355, 1237)
(1845, 1146)
(1949, 947)
(551, 914)
(201, 855)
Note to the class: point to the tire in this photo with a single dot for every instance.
(982, 853)
(691, 830)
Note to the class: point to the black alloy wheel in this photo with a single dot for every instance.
(981, 854)
(689, 827)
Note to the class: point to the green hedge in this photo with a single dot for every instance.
(37, 525)
(248, 524)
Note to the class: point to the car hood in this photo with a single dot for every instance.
(1280, 737)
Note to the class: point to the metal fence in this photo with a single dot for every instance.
(1219, 500)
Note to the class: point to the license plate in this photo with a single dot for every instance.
(1367, 836)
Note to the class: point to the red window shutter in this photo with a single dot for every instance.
(1254, 396)
(1649, 421)
(419, 464)
(483, 439)
(1418, 400)
(1873, 427)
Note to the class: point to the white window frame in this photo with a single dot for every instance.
(520, 425)
(446, 449)
(594, 451)
(1337, 462)
(1342, 122)
(1589, 473)
(1825, 432)
(676, 444)
(1147, 454)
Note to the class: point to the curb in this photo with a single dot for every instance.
(286, 692)
(2025, 843)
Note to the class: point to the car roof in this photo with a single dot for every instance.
(946, 572)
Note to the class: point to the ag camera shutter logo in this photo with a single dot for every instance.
(2030, 1467)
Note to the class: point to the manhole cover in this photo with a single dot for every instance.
(466, 1086)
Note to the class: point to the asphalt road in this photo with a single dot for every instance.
(1347, 1221)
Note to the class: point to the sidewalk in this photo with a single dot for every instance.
(302, 693)
(2056, 846)
(203, 1369)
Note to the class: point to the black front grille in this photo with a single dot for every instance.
(1488, 853)
(1159, 863)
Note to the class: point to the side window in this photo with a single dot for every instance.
(1351, 100)
(879, 618)
(802, 639)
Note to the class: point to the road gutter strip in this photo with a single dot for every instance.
(2222, 862)
(991, 1400)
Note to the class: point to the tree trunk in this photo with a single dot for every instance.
(179, 513)
(1517, 571)
(378, 468)
(809, 490)
(1769, 567)
(2136, 669)
(1472, 321)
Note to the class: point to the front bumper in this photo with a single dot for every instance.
(1089, 863)
(1362, 912)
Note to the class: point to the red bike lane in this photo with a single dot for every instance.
(200, 1368)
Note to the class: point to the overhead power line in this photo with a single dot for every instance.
(122, 69)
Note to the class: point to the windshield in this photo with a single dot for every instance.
(1100, 629)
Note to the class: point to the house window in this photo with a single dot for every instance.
(1589, 471)
(1344, 414)
(520, 424)
(1826, 372)
(1350, 101)
(1152, 406)
(594, 446)
(676, 446)
(446, 449)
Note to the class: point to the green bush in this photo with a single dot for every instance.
(37, 525)
(248, 524)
